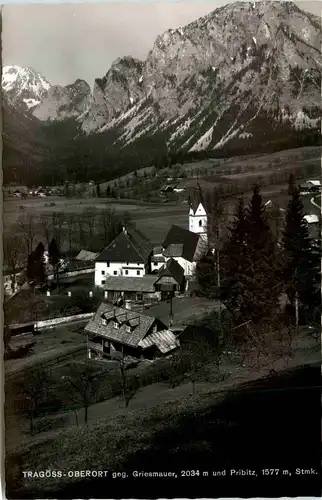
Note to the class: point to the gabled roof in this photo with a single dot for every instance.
(311, 219)
(174, 250)
(128, 284)
(141, 324)
(172, 268)
(86, 255)
(189, 240)
(126, 247)
(315, 182)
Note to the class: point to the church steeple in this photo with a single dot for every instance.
(198, 220)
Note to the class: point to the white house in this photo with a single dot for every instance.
(128, 255)
(158, 259)
(9, 275)
(311, 219)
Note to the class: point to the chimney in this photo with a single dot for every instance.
(127, 304)
(124, 230)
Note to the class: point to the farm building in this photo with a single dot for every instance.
(310, 186)
(13, 279)
(116, 331)
(127, 288)
(18, 193)
(128, 255)
(311, 219)
(170, 278)
(86, 255)
(157, 259)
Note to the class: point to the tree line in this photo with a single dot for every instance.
(62, 235)
(253, 268)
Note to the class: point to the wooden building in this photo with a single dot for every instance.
(116, 332)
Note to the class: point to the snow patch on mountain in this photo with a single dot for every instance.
(23, 87)
(31, 103)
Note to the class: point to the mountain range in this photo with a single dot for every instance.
(243, 77)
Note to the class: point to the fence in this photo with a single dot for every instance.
(48, 323)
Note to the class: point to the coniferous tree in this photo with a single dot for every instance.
(302, 257)
(263, 287)
(36, 265)
(291, 185)
(233, 264)
(54, 258)
(39, 264)
(250, 286)
(30, 267)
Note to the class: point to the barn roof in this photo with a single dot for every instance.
(126, 247)
(128, 284)
(86, 255)
(172, 268)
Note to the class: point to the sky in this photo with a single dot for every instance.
(66, 41)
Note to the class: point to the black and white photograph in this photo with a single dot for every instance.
(161, 171)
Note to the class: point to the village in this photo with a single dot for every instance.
(94, 332)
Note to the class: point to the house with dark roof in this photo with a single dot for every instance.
(170, 278)
(115, 331)
(183, 246)
(128, 255)
(127, 288)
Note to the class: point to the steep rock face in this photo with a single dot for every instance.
(219, 79)
(61, 102)
(120, 88)
(23, 87)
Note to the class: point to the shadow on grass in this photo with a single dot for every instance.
(269, 424)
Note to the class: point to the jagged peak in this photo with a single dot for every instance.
(126, 60)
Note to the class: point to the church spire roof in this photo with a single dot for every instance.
(195, 198)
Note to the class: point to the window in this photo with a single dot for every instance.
(200, 223)
(138, 273)
(115, 273)
(126, 271)
(127, 263)
(116, 325)
(107, 264)
(103, 282)
(103, 272)
(155, 264)
(104, 321)
(138, 263)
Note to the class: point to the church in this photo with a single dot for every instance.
(131, 256)
(186, 246)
